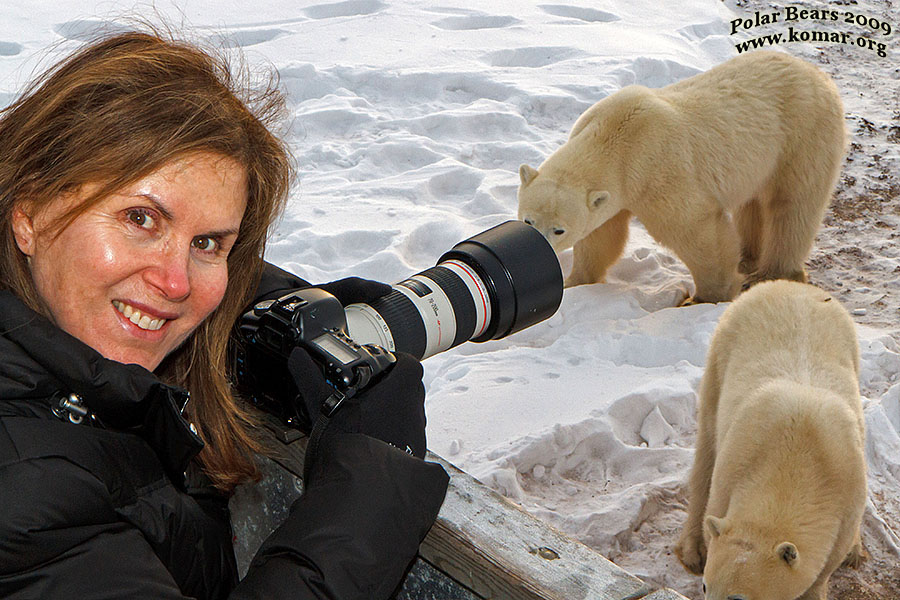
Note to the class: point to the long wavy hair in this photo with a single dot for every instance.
(115, 111)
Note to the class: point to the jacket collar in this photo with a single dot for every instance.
(39, 360)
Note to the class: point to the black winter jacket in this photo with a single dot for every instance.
(100, 509)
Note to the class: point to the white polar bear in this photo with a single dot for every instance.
(778, 487)
(732, 169)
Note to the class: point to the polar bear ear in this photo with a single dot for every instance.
(787, 552)
(714, 525)
(597, 198)
(527, 174)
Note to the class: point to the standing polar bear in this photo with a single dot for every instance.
(778, 487)
(732, 169)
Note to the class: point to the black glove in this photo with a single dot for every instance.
(277, 282)
(392, 409)
(352, 290)
(352, 534)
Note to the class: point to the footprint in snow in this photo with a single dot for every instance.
(10, 48)
(86, 30)
(538, 56)
(348, 8)
(589, 15)
(242, 38)
(471, 22)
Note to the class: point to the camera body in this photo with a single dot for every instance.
(314, 320)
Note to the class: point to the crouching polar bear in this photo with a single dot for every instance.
(778, 487)
(732, 169)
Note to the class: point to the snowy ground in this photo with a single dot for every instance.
(409, 120)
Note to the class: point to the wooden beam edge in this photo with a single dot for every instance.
(497, 549)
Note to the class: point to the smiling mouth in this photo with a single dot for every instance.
(135, 316)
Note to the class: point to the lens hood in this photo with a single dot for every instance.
(521, 272)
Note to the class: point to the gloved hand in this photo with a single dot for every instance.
(352, 290)
(392, 409)
(276, 282)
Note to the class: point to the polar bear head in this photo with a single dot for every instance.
(564, 211)
(744, 564)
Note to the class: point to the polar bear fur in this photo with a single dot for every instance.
(778, 486)
(734, 166)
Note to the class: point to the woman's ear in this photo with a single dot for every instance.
(23, 229)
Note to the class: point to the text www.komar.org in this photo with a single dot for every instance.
(793, 15)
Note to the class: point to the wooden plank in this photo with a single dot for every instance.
(490, 545)
(498, 550)
(664, 594)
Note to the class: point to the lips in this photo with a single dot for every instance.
(138, 318)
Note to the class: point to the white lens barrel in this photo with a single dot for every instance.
(478, 291)
(489, 286)
(428, 293)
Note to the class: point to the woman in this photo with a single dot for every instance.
(136, 191)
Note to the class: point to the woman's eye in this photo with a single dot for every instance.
(206, 244)
(141, 218)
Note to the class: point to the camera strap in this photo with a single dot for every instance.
(329, 408)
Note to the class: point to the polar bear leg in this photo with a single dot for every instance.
(711, 251)
(818, 591)
(789, 238)
(791, 219)
(857, 554)
(596, 253)
(748, 220)
(691, 546)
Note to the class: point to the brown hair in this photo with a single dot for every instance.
(114, 112)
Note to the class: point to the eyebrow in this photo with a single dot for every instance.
(168, 216)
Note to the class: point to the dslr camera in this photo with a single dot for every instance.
(485, 288)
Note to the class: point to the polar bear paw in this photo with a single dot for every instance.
(691, 551)
(856, 556)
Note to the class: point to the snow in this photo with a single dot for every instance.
(408, 121)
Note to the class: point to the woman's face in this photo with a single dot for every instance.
(137, 272)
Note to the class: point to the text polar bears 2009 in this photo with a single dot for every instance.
(798, 19)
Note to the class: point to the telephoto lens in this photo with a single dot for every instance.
(485, 288)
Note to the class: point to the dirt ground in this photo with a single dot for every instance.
(857, 255)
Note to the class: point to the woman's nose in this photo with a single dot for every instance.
(169, 272)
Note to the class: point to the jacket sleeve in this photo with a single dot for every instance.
(356, 528)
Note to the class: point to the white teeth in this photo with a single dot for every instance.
(135, 316)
